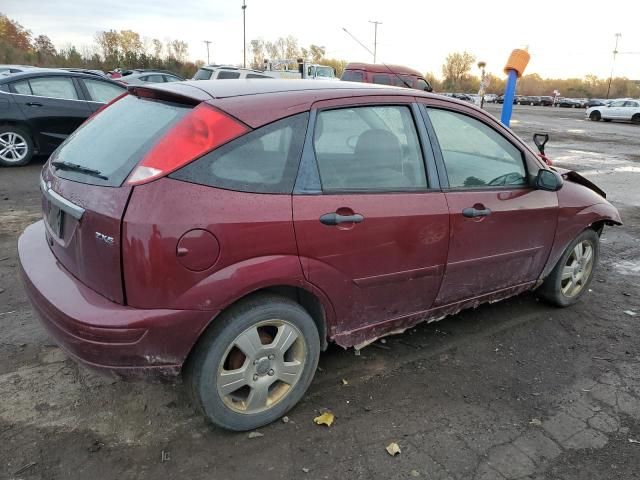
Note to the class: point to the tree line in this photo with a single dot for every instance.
(457, 76)
(127, 49)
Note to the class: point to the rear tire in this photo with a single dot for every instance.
(636, 119)
(239, 387)
(595, 116)
(573, 273)
(16, 146)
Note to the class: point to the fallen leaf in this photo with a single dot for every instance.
(393, 449)
(305, 469)
(415, 473)
(256, 435)
(325, 419)
(344, 382)
(535, 421)
(633, 440)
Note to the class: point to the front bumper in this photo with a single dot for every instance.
(97, 332)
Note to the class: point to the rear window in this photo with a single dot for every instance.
(116, 139)
(263, 161)
(226, 75)
(352, 76)
(202, 74)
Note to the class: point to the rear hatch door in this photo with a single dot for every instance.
(84, 187)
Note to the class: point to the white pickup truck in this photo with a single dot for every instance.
(627, 110)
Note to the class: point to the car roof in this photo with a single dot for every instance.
(52, 72)
(244, 87)
(230, 67)
(382, 68)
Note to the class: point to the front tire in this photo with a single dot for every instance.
(16, 146)
(255, 363)
(595, 116)
(573, 273)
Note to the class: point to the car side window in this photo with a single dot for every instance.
(263, 161)
(153, 78)
(353, 76)
(53, 87)
(382, 79)
(475, 155)
(619, 103)
(102, 92)
(171, 78)
(374, 148)
(22, 87)
(226, 75)
(256, 75)
(421, 84)
(630, 104)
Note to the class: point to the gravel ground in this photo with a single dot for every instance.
(516, 389)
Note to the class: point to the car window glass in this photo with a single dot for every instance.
(256, 75)
(263, 161)
(630, 104)
(171, 78)
(152, 78)
(619, 103)
(54, 87)
(202, 74)
(421, 84)
(22, 87)
(373, 148)
(353, 76)
(102, 91)
(474, 154)
(226, 75)
(382, 79)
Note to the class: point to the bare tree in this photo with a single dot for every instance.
(456, 68)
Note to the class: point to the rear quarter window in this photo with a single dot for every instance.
(202, 74)
(225, 75)
(263, 161)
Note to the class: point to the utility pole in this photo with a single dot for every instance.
(244, 33)
(375, 38)
(615, 52)
(207, 43)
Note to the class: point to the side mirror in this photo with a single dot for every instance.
(549, 180)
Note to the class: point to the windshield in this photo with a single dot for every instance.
(326, 72)
(114, 141)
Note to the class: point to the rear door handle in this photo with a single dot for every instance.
(337, 219)
(33, 104)
(472, 212)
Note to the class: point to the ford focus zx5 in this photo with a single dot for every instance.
(228, 231)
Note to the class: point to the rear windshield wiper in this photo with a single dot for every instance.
(78, 168)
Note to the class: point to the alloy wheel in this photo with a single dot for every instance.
(13, 147)
(577, 269)
(261, 366)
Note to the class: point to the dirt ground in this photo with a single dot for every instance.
(516, 389)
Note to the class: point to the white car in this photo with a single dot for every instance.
(625, 110)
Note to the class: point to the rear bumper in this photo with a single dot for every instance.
(97, 332)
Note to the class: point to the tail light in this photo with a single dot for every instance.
(202, 130)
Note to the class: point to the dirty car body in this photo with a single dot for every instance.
(371, 208)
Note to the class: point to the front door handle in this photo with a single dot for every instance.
(473, 212)
(337, 219)
(33, 104)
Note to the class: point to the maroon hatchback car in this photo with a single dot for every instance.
(228, 231)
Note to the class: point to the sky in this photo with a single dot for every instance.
(565, 38)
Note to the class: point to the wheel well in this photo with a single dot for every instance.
(598, 226)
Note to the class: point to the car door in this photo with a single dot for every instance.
(501, 227)
(52, 106)
(629, 109)
(100, 92)
(614, 110)
(372, 233)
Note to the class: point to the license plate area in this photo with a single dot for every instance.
(55, 219)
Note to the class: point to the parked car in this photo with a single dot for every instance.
(546, 101)
(624, 110)
(143, 76)
(42, 107)
(225, 72)
(594, 102)
(382, 74)
(568, 103)
(148, 262)
(490, 97)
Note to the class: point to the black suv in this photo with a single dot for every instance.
(40, 108)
